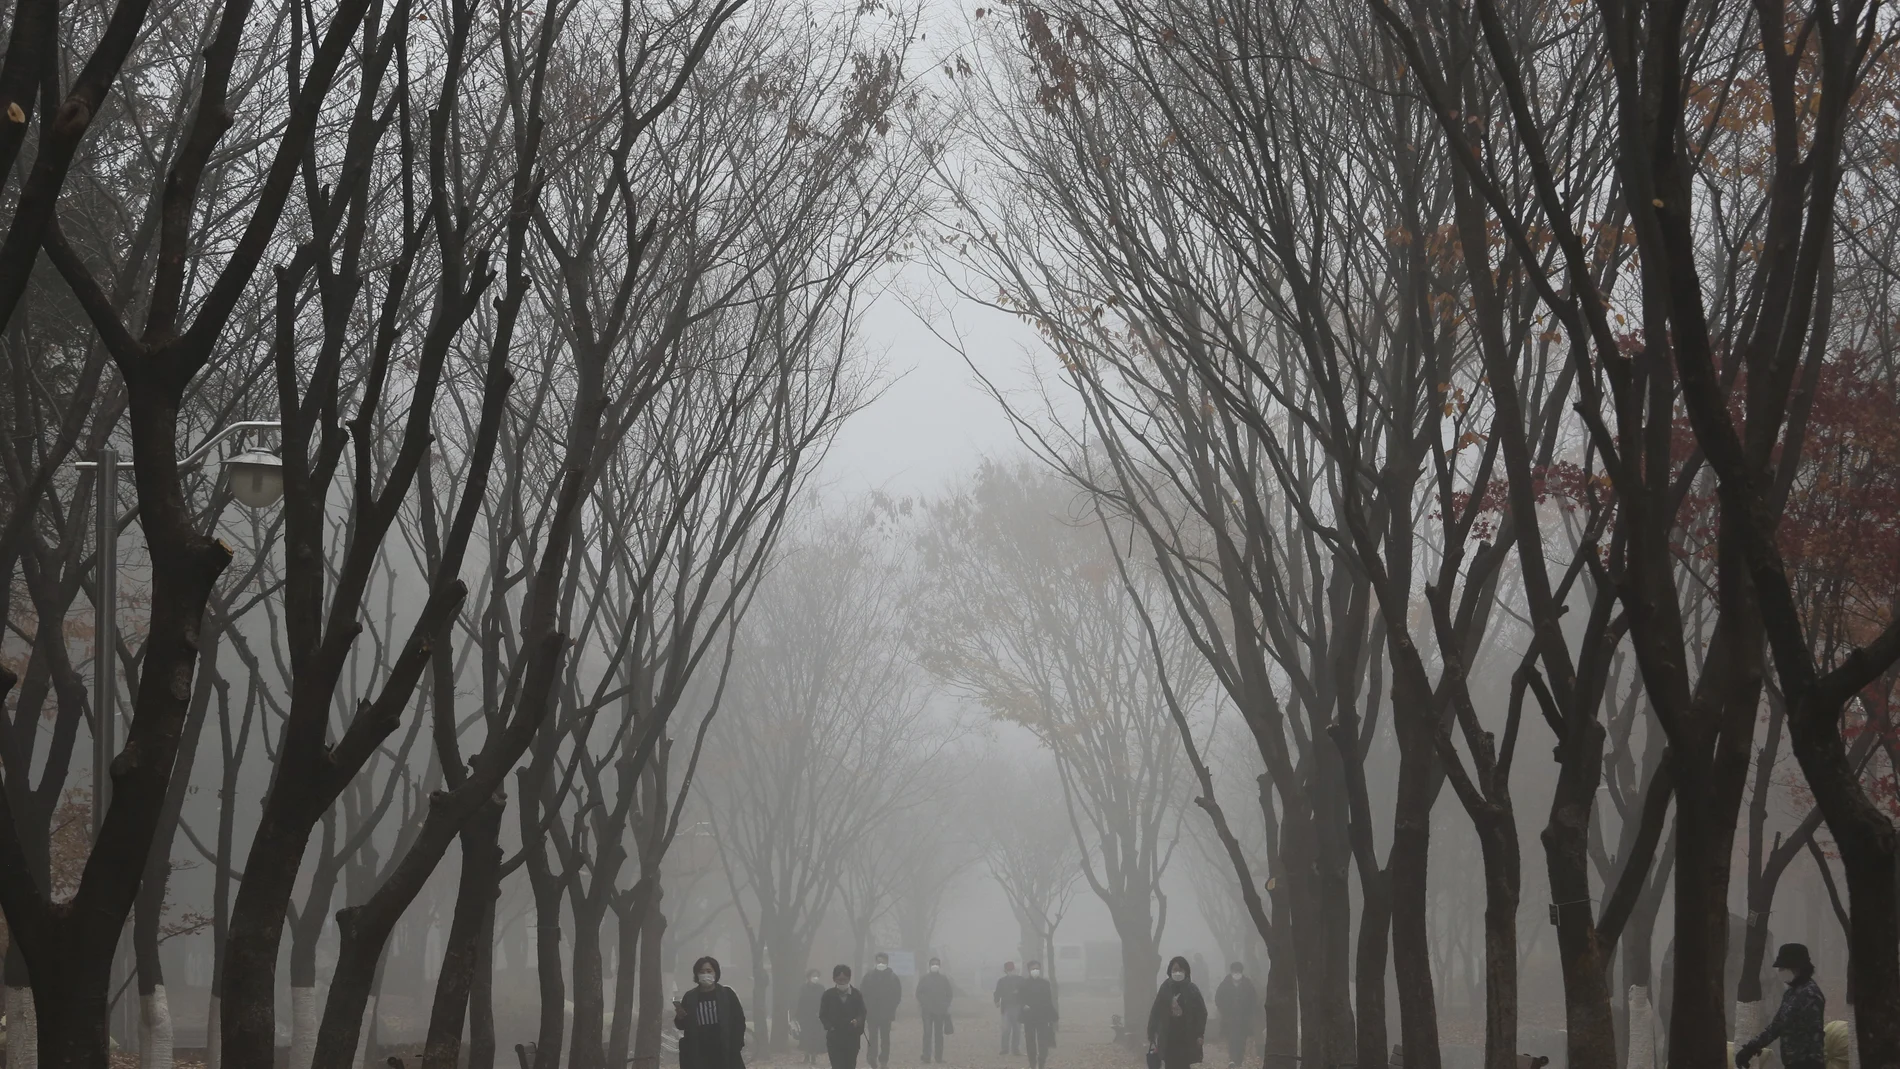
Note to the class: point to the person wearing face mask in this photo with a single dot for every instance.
(1235, 1000)
(1178, 1020)
(933, 1003)
(1009, 991)
(1038, 1000)
(711, 1022)
(841, 1012)
(811, 1030)
(883, 994)
(1801, 1021)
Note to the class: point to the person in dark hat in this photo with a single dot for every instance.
(1800, 1024)
(711, 1022)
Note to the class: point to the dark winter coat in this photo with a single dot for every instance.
(1236, 1001)
(1037, 1000)
(842, 1012)
(933, 994)
(712, 1029)
(883, 993)
(1800, 1024)
(811, 1030)
(1178, 1038)
(1009, 991)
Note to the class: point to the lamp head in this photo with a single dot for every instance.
(256, 478)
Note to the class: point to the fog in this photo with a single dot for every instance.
(1086, 534)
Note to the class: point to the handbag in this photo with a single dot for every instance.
(1154, 1058)
(949, 1025)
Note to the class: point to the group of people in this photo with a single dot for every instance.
(838, 1018)
(833, 1020)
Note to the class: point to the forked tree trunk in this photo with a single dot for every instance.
(474, 898)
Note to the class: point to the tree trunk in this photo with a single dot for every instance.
(1141, 962)
(23, 1027)
(627, 935)
(653, 1004)
(1497, 834)
(1590, 1028)
(481, 995)
(1375, 930)
(1698, 1020)
(590, 999)
(1419, 784)
(474, 901)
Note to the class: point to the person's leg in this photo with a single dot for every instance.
(883, 1044)
(1016, 1030)
(927, 1021)
(942, 1024)
(1236, 1047)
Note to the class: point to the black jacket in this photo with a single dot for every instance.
(842, 1012)
(1178, 1039)
(1009, 990)
(1236, 1001)
(712, 1029)
(883, 993)
(933, 994)
(1038, 1001)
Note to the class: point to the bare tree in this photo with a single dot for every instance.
(1026, 614)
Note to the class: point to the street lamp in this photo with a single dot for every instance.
(256, 480)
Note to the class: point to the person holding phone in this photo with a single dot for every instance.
(841, 1011)
(711, 1021)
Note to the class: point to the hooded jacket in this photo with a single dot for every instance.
(1178, 1038)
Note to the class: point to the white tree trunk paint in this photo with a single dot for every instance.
(1642, 1037)
(155, 1030)
(23, 1030)
(303, 1027)
(1750, 1019)
(214, 1039)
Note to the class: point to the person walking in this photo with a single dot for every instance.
(841, 1014)
(933, 1005)
(1800, 1024)
(1038, 1001)
(1235, 1000)
(883, 994)
(1177, 1022)
(711, 1021)
(1009, 1000)
(811, 1030)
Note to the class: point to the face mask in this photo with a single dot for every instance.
(881, 966)
(1035, 972)
(1236, 974)
(936, 968)
(811, 979)
(845, 984)
(1787, 975)
(705, 979)
(1178, 976)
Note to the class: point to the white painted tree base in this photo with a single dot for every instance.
(214, 1034)
(303, 1027)
(23, 1030)
(155, 1030)
(1642, 1030)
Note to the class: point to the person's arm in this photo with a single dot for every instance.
(738, 1017)
(1771, 1033)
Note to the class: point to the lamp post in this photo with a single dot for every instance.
(256, 479)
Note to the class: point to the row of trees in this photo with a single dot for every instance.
(1424, 361)
(559, 315)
